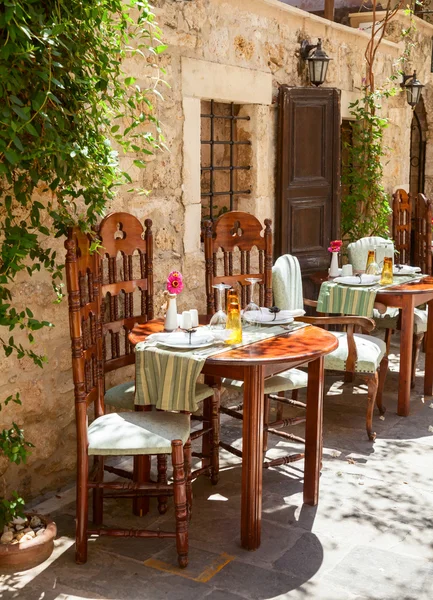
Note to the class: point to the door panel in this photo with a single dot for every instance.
(308, 175)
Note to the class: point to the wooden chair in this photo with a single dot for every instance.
(127, 299)
(423, 233)
(236, 235)
(357, 353)
(119, 434)
(402, 225)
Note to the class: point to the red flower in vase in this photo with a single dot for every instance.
(175, 282)
(335, 246)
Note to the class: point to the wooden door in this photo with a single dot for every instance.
(308, 175)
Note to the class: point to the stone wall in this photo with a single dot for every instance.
(238, 51)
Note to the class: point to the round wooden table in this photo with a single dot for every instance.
(252, 364)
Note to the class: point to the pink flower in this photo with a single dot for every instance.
(335, 246)
(175, 282)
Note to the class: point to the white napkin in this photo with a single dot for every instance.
(264, 316)
(405, 270)
(179, 338)
(358, 279)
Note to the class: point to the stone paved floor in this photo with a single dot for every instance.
(370, 537)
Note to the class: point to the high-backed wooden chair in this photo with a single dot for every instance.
(237, 247)
(423, 233)
(127, 298)
(357, 353)
(402, 225)
(119, 434)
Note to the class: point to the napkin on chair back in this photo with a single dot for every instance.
(287, 283)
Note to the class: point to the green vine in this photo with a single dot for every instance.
(67, 110)
(365, 208)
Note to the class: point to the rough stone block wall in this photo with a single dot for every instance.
(257, 36)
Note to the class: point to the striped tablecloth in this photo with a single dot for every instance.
(167, 378)
(335, 298)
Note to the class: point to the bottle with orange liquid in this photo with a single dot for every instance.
(234, 324)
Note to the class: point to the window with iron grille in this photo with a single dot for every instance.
(225, 158)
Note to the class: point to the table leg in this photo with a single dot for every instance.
(252, 457)
(406, 345)
(313, 431)
(428, 377)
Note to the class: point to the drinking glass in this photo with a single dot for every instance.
(219, 319)
(252, 312)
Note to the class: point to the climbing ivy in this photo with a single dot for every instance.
(67, 110)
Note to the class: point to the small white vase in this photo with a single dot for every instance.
(334, 271)
(170, 323)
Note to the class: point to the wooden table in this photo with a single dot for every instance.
(406, 297)
(252, 364)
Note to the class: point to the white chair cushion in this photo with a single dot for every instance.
(370, 352)
(389, 319)
(121, 397)
(133, 433)
(291, 379)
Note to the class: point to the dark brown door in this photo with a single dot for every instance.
(308, 175)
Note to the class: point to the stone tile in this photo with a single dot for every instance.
(379, 574)
(255, 583)
(222, 595)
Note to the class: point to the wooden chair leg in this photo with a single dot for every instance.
(267, 408)
(215, 457)
(187, 456)
(383, 370)
(162, 478)
(388, 335)
(98, 494)
(82, 509)
(417, 341)
(348, 377)
(141, 474)
(279, 415)
(372, 381)
(180, 503)
(295, 394)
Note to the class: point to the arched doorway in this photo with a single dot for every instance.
(417, 149)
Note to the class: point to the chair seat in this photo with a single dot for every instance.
(131, 433)
(292, 379)
(389, 319)
(121, 397)
(370, 351)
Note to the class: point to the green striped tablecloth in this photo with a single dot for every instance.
(335, 298)
(167, 379)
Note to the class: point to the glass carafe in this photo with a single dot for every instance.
(372, 268)
(234, 325)
(386, 277)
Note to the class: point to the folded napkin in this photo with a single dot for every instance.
(405, 270)
(166, 380)
(264, 316)
(182, 337)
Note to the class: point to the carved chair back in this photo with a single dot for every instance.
(242, 240)
(402, 225)
(127, 283)
(83, 285)
(423, 233)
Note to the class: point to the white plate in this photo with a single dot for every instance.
(353, 280)
(277, 321)
(406, 270)
(186, 346)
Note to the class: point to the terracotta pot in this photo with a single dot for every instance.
(19, 557)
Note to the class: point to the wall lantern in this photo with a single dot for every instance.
(413, 88)
(317, 61)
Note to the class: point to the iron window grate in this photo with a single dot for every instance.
(231, 167)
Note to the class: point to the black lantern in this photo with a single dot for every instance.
(413, 88)
(317, 61)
